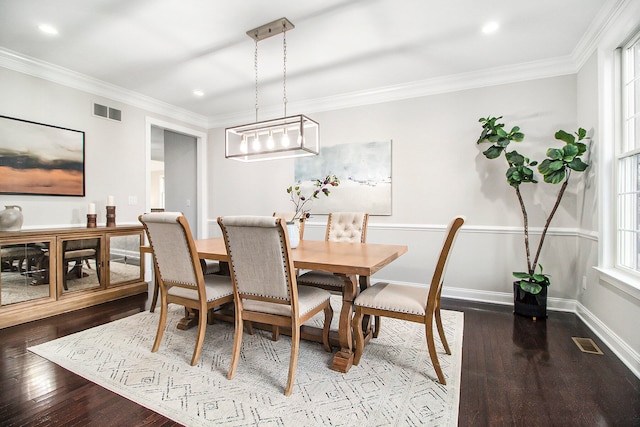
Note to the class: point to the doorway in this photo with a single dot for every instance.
(175, 175)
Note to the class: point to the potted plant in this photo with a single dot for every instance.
(530, 290)
(301, 201)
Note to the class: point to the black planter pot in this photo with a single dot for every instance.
(528, 304)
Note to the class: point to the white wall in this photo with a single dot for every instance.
(438, 171)
(610, 312)
(114, 151)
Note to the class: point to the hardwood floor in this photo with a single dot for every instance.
(514, 372)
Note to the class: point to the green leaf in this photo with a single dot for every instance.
(569, 152)
(483, 136)
(566, 137)
(577, 165)
(532, 288)
(582, 133)
(493, 152)
(555, 177)
(521, 275)
(554, 153)
(518, 136)
(514, 158)
(501, 132)
(513, 176)
(548, 166)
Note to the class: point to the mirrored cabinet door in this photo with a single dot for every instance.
(124, 258)
(81, 264)
(24, 271)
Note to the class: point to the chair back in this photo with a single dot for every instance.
(438, 275)
(174, 252)
(259, 254)
(347, 227)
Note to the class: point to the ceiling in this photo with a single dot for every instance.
(166, 49)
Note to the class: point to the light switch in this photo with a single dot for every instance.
(133, 200)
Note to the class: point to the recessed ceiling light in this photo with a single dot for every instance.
(490, 27)
(48, 29)
(198, 92)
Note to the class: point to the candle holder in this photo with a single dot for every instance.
(91, 220)
(111, 216)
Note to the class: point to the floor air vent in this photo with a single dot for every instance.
(586, 345)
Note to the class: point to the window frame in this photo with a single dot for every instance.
(614, 133)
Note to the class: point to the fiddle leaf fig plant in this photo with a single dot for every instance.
(555, 169)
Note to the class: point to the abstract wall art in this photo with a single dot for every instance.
(364, 170)
(40, 159)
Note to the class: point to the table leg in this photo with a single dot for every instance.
(343, 359)
(365, 282)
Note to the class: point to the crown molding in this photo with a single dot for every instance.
(601, 22)
(439, 85)
(478, 79)
(27, 65)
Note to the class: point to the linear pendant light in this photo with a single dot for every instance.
(281, 138)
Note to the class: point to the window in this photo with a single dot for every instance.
(628, 161)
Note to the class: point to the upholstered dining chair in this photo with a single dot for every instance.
(406, 302)
(265, 285)
(341, 227)
(179, 274)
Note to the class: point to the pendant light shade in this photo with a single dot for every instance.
(294, 136)
(285, 137)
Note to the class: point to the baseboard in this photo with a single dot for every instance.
(621, 349)
(625, 353)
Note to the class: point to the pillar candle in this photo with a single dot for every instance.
(92, 208)
(110, 201)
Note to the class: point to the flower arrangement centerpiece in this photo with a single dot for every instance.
(301, 201)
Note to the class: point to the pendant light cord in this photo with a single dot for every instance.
(255, 67)
(284, 74)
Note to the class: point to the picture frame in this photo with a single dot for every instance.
(364, 171)
(41, 159)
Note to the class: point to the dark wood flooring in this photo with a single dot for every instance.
(514, 372)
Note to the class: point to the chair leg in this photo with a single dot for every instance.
(443, 338)
(249, 326)
(237, 345)
(275, 332)
(358, 334)
(161, 323)
(328, 317)
(432, 351)
(202, 327)
(154, 299)
(293, 359)
(376, 326)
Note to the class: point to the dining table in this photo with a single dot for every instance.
(355, 263)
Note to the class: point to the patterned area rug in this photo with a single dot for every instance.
(394, 384)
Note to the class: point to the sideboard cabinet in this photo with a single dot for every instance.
(52, 271)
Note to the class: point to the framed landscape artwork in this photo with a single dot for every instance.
(364, 171)
(40, 159)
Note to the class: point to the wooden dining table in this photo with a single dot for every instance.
(354, 262)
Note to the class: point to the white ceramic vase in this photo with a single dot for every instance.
(294, 234)
(11, 218)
